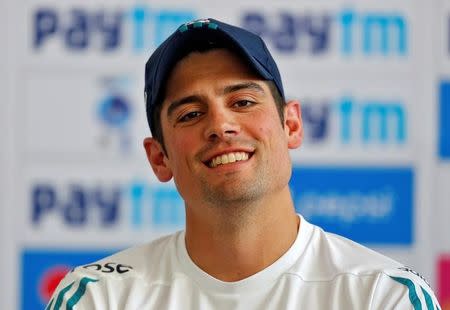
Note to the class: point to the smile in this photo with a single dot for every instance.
(228, 158)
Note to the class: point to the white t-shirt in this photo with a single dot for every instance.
(319, 271)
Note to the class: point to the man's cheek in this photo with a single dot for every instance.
(178, 143)
(266, 130)
(184, 146)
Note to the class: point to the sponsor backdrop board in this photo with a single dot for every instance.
(442, 167)
(373, 78)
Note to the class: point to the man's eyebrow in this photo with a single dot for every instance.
(228, 89)
(185, 100)
(245, 85)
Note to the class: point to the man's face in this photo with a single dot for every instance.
(224, 139)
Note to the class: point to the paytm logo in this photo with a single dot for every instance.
(76, 204)
(139, 204)
(158, 206)
(358, 121)
(368, 205)
(106, 30)
(444, 119)
(42, 270)
(358, 32)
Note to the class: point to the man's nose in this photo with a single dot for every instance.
(222, 124)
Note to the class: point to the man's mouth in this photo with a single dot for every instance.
(228, 158)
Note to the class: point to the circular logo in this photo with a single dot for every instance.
(114, 110)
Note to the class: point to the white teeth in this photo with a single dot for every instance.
(224, 159)
(228, 158)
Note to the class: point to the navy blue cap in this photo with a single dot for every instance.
(250, 47)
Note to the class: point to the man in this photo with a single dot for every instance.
(222, 130)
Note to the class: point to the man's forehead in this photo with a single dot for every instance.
(220, 62)
(223, 70)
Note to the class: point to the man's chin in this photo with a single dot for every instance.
(233, 195)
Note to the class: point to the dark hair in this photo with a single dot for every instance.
(202, 47)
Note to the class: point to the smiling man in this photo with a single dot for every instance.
(222, 130)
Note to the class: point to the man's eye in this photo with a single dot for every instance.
(243, 103)
(189, 116)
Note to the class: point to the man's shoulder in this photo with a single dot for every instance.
(107, 280)
(357, 258)
(389, 284)
(329, 256)
(403, 287)
(139, 261)
(332, 255)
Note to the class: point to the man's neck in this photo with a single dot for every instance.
(231, 247)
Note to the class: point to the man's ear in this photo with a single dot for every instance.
(157, 159)
(293, 124)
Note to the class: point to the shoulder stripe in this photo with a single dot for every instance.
(79, 292)
(413, 298)
(49, 305)
(75, 298)
(60, 298)
(428, 299)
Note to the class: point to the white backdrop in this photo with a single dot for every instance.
(75, 183)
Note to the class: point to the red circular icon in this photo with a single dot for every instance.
(50, 280)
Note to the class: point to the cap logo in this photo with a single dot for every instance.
(199, 23)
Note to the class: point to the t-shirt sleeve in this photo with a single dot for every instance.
(78, 291)
(403, 288)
